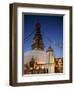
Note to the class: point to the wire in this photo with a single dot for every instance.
(28, 35)
(49, 40)
(53, 42)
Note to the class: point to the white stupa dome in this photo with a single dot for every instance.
(38, 55)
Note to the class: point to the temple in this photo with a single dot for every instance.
(38, 60)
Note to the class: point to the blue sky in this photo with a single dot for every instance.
(51, 30)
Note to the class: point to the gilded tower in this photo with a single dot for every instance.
(37, 42)
(51, 61)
